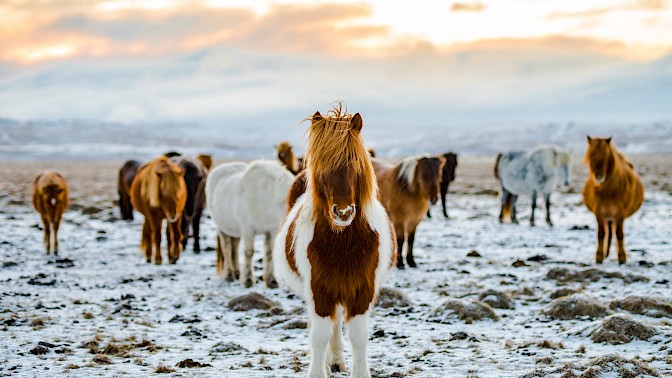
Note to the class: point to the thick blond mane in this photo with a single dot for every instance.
(333, 144)
(168, 183)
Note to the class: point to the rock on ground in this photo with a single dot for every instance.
(576, 306)
(496, 299)
(565, 291)
(392, 298)
(654, 307)
(467, 311)
(621, 329)
(612, 365)
(252, 301)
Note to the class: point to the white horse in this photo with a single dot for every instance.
(531, 172)
(245, 200)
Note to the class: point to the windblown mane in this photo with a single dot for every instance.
(332, 144)
(406, 169)
(168, 183)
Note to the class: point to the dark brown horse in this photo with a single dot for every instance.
(51, 197)
(195, 174)
(407, 189)
(447, 176)
(125, 178)
(613, 192)
(159, 192)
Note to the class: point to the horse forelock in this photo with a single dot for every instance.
(333, 144)
(167, 183)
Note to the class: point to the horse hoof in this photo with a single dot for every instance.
(230, 278)
(401, 267)
(248, 283)
(149, 261)
(158, 262)
(173, 261)
(338, 368)
(412, 264)
(272, 284)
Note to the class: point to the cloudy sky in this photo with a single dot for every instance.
(422, 62)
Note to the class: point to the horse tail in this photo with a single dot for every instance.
(499, 157)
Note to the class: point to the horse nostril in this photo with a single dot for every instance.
(334, 209)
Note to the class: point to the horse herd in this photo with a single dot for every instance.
(336, 220)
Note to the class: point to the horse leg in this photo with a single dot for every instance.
(409, 248)
(235, 265)
(156, 229)
(514, 199)
(599, 254)
(358, 330)
(400, 247)
(547, 201)
(54, 231)
(444, 191)
(620, 236)
(196, 231)
(505, 195)
(224, 259)
(533, 197)
(46, 225)
(336, 358)
(147, 242)
(248, 276)
(184, 229)
(175, 244)
(269, 277)
(319, 337)
(125, 206)
(610, 232)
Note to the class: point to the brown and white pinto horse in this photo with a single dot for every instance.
(51, 197)
(125, 178)
(159, 192)
(287, 157)
(406, 191)
(613, 192)
(337, 244)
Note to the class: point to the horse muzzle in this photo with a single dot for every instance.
(343, 217)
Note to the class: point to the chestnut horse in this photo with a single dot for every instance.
(613, 192)
(407, 189)
(447, 176)
(159, 192)
(337, 244)
(287, 157)
(195, 172)
(51, 198)
(125, 178)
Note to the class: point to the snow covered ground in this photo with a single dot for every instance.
(99, 310)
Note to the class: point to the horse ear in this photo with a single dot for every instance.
(589, 138)
(317, 116)
(609, 140)
(356, 122)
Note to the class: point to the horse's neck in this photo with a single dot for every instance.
(292, 162)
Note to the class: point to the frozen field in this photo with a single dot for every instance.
(99, 310)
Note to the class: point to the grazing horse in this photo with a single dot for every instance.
(407, 189)
(337, 244)
(245, 200)
(288, 159)
(159, 192)
(613, 192)
(447, 176)
(531, 172)
(194, 177)
(125, 178)
(51, 198)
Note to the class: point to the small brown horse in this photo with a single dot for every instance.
(613, 192)
(287, 157)
(159, 191)
(195, 173)
(447, 176)
(406, 191)
(125, 178)
(51, 198)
